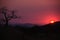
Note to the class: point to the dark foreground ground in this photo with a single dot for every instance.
(46, 32)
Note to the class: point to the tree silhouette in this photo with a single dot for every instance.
(7, 17)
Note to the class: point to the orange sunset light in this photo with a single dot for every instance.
(52, 21)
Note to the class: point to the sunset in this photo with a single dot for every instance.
(52, 21)
(33, 11)
(30, 19)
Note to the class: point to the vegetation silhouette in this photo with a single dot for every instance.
(45, 32)
(7, 17)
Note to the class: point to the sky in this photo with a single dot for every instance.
(33, 11)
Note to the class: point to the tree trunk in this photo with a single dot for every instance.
(6, 20)
(6, 24)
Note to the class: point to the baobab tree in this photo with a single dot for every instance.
(7, 17)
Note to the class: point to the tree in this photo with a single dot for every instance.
(7, 17)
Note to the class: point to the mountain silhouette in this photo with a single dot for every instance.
(52, 27)
(46, 32)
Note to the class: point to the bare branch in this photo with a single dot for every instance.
(3, 10)
(8, 17)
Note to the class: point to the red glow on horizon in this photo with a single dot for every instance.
(52, 21)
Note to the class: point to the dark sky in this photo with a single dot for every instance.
(33, 11)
